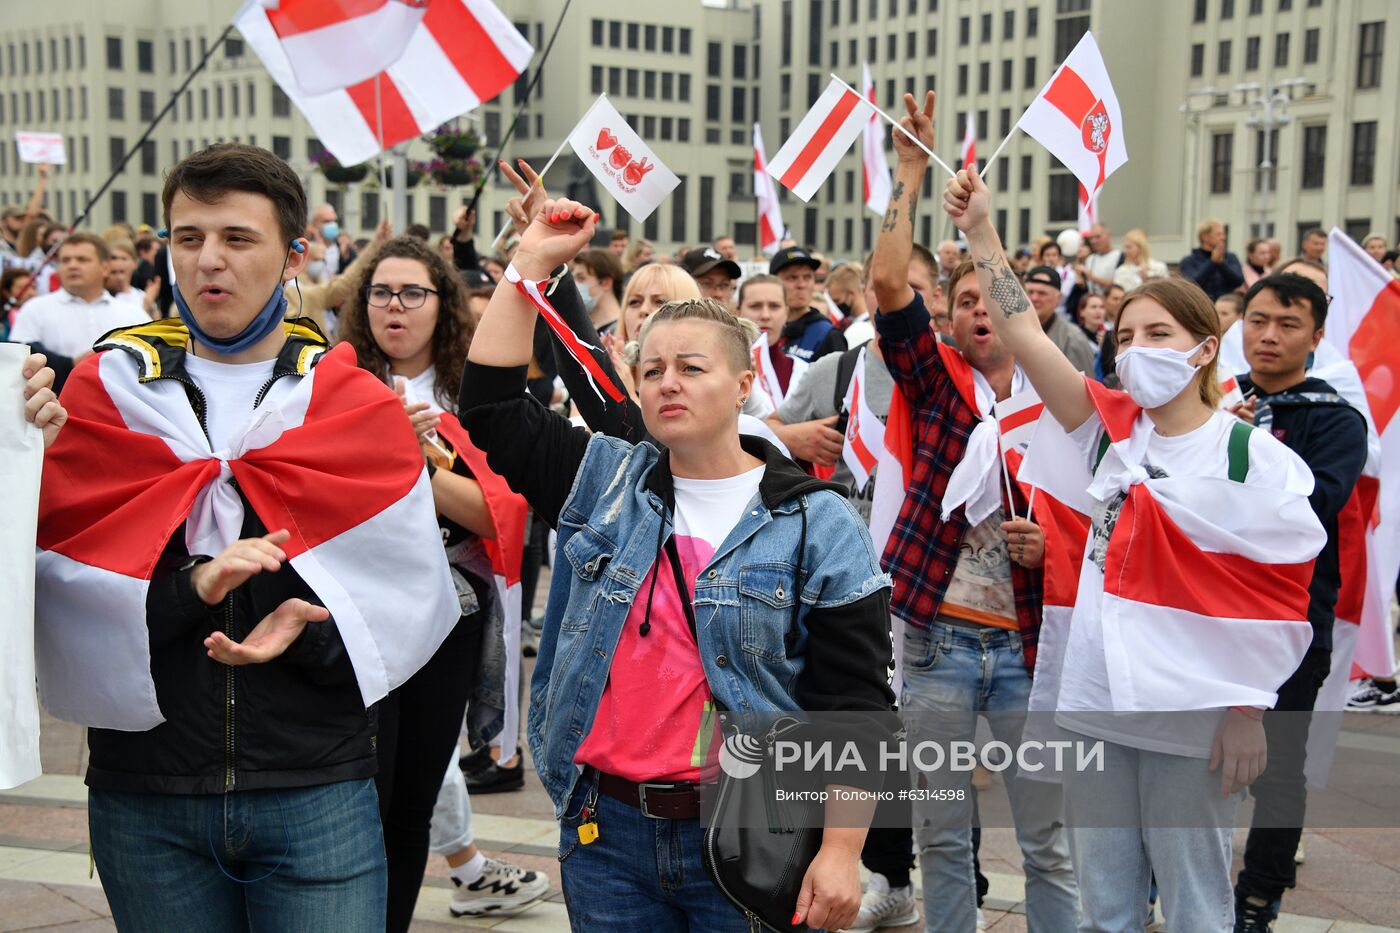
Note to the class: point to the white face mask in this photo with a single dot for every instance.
(590, 300)
(1154, 376)
(316, 269)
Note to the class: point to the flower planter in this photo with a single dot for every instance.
(344, 174)
(456, 176)
(459, 148)
(412, 178)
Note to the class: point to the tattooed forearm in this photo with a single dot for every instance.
(1004, 289)
(892, 214)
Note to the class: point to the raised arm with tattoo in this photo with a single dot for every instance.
(889, 266)
(968, 202)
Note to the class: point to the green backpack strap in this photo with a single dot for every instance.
(1238, 451)
(1104, 444)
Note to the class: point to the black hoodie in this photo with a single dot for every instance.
(1329, 434)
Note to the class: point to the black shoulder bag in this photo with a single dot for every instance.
(757, 848)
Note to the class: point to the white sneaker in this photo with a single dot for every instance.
(882, 907)
(981, 919)
(1369, 696)
(502, 889)
(1298, 855)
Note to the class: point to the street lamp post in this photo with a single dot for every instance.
(1268, 112)
(1191, 181)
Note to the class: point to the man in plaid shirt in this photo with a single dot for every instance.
(968, 588)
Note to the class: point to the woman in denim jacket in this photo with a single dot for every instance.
(790, 605)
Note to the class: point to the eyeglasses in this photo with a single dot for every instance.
(411, 297)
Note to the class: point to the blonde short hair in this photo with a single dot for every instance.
(1139, 238)
(1206, 226)
(674, 281)
(737, 334)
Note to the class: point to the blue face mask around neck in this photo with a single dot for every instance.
(266, 321)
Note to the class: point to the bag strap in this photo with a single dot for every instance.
(845, 372)
(1238, 451)
(1104, 444)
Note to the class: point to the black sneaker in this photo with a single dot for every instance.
(493, 779)
(1254, 918)
(1371, 696)
(472, 762)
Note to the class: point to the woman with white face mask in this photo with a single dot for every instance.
(1188, 615)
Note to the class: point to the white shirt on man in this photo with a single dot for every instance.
(69, 326)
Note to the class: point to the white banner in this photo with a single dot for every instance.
(41, 147)
(21, 458)
(621, 161)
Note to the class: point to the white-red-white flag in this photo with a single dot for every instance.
(1230, 392)
(621, 160)
(297, 468)
(1016, 418)
(1363, 324)
(770, 213)
(460, 54)
(767, 377)
(1088, 209)
(1076, 116)
(332, 44)
(875, 169)
(865, 432)
(968, 158)
(810, 155)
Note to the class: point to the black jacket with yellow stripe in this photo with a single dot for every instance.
(296, 721)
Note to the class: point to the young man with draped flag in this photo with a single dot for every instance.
(239, 554)
(967, 579)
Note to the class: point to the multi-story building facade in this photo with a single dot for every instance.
(1269, 114)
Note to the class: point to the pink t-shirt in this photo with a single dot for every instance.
(656, 720)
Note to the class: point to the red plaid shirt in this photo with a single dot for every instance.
(923, 549)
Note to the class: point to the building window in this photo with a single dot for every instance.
(1008, 24)
(1256, 7)
(1028, 80)
(682, 87)
(281, 103)
(282, 147)
(615, 81)
(1026, 172)
(964, 30)
(740, 67)
(986, 27)
(116, 148)
(1363, 152)
(714, 59)
(614, 34)
(1032, 22)
(737, 100)
(233, 47)
(712, 102)
(984, 77)
(1222, 152)
(1068, 32)
(598, 32)
(1312, 41)
(145, 56)
(633, 35)
(648, 38)
(678, 214)
(634, 78)
(114, 54)
(683, 130)
(891, 47)
(1199, 13)
(685, 41)
(962, 80)
(1008, 74)
(1003, 174)
(147, 104)
(1251, 53)
(1198, 60)
(668, 43)
(1368, 61)
(596, 76)
(1281, 42)
(116, 103)
(1222, 56)
(1064, 197)
(930, 43)
(148, 157)
(118, 206)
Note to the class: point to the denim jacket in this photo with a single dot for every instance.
(761, 650)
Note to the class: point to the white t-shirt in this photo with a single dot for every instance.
(708, 509)
(133, 295)
(229, 390)
(68, 326)
(1084, 681)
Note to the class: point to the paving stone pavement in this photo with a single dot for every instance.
(1349, 884)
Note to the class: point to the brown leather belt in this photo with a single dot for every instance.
(659, 800)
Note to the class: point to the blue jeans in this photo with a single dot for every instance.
(1171, 822)
(952, 673)
(301, 859)
(641, 873)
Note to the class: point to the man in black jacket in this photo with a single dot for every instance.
(1209, 265)
(1283, 324)
(232, 759)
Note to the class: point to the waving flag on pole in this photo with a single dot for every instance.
(865, 432)
(1088, 210)
(1363, 323)
(1076, 117)
(770, 214)
(332, 44)
(875, 170)
(968, 159)
(819, 141)
(459, 54)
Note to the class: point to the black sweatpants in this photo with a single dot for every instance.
(418, 728)
(1281, 792)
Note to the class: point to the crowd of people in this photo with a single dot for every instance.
(366, 433)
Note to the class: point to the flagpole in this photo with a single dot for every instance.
(1005, 471)
(524, 100)
(988, 167)
(1031, 504)
(918, 142)
(540, 182)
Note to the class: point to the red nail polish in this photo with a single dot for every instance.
(796, 918)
